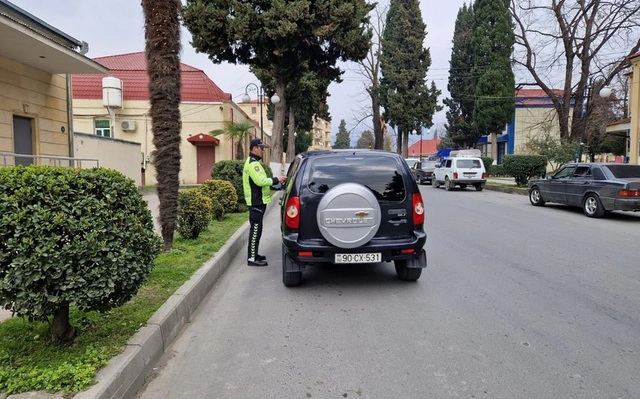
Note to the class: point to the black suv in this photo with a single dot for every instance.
(351, 206)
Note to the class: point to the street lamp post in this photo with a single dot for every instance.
(586, 109)
(246, 98)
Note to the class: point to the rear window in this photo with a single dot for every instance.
(379, 174)
(625, 171)
(468, 163)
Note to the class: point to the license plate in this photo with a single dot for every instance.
(359, 258)
(469, 174)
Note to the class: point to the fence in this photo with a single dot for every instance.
(48, 160)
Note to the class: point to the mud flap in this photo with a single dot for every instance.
(419, 261)
(290, 265)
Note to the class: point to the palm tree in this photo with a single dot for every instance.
(162, 37)
(236, 132)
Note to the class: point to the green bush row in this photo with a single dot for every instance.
(198, 206)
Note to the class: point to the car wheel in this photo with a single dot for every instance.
(447, 184)
(534, 197)
(407, 273)
(592, 206)
(290, 279)
(479, 186)
(463, 186)
(435, 183)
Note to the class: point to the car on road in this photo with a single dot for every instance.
(597, 188)
(423, 171)
(351, 206)
(411, 162)
(461, 171)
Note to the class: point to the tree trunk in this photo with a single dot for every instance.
(61, 329)
(405, 144)
(162, 37)
(378, 133)
(291, 139)
(278, 128)
(399, 142)
(240, 149)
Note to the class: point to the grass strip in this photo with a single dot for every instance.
(30, 361)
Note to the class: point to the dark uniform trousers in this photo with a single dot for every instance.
(256, 214)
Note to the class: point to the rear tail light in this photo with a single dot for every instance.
(292, 213)
(455, 175)
(418, 210)
(629, 193)
(484, 175)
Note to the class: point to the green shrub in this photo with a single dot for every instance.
(194, 212)
(497, 171)
(232, 171)
(83, 237)
(223, 192)
(524, 167)
(217, 210)
(487, 161)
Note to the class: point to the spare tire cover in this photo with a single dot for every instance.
(348, 215)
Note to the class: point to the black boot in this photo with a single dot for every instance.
(256, 262)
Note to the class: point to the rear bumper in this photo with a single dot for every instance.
(469, 181)
(323, 252)
(630, 204)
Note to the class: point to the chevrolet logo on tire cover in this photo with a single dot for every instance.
(359, 218)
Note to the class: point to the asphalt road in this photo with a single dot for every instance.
(517, 302)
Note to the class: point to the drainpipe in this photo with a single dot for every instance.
(70, 119)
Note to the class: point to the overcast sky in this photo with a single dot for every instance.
(117, 26)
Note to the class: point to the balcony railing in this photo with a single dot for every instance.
(12, 159)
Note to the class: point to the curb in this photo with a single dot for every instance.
(125, 374)
(507, 189)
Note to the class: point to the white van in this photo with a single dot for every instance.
(460, 170)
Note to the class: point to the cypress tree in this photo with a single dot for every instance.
(461, 82)
(492, 45)
(408, 101)
(342, 138)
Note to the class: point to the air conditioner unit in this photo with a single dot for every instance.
(128, 125)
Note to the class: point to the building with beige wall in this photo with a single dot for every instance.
(36, 61)
(125, 115)
(534, 116)
(321, 134)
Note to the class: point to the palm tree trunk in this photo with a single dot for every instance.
(162, 35)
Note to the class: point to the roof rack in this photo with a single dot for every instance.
(474, 153)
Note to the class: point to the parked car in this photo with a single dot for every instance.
(460, 171)
(423, 171)
(411, 161)
(595, 187)
(351, 206)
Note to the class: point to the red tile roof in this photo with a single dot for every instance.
(428, 147)
(531, 97)
(131, 69)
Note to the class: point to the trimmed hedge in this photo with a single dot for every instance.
(525, 167)
(80, 237)
(222, 191)
(194, 212)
